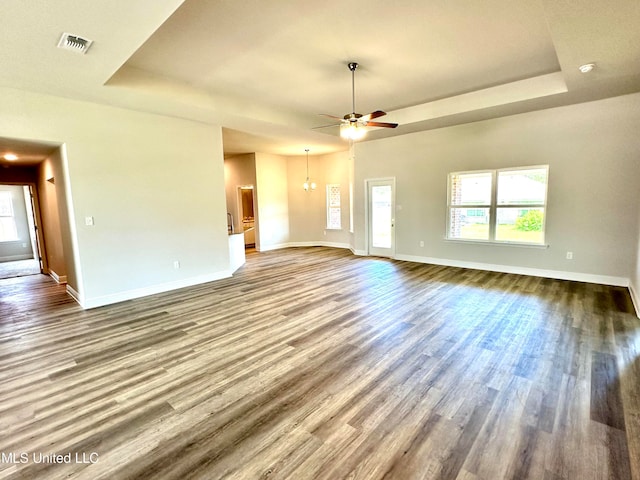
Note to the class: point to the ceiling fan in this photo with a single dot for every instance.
(352, 125)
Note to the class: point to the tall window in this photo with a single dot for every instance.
(505, 205)
(333, 207)
(8, 230)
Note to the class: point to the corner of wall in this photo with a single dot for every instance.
(635, 298)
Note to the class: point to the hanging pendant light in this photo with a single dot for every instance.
(308, 184)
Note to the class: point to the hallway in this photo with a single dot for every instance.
(19, 268)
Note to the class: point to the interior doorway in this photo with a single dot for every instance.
(381, 217)
(20, 242)
(246, 214)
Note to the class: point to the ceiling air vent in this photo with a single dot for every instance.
(74, 43)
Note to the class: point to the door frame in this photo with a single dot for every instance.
(38, 242)
(34, 201)
(367, 226)
(240, 209)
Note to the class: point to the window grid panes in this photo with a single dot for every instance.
(506, 205)
(470, 205)
(333, 207)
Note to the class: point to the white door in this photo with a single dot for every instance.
(381, 217)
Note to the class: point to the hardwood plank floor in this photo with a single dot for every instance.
(312, 363)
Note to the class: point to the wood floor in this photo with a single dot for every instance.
(312, 363)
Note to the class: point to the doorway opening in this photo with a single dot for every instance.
(34, 173)
(246, 215)
(20, 242)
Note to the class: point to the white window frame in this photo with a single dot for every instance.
(350, 207)
(493, 207)
(331, 207)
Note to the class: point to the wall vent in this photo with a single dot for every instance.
(74, 43)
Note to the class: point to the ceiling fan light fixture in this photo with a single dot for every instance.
(587, 67)
(352, 131)
(353, 126)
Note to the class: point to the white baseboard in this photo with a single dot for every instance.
(101, 301)
(535, 272)
(268, 248)
(58, 278)
(319, 244)
(635, 298)
(304, 244)
(77, 296)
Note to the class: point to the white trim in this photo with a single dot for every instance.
(319, 244)
(73, 226)
(275, 246)
(535, 272)
(17, 258)
(88, 303)
(367, 227)
(58, 278)
(635, 298)
(497, 243)
(77, 296)
(306, 244)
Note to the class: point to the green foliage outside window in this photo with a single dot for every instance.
(530, 221)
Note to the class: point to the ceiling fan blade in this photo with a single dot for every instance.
(326, 126)
(381, 124)
(372, 115)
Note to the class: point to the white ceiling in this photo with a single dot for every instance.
(28, 153)
(265, 70)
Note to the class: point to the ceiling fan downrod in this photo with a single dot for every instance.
(352, 67)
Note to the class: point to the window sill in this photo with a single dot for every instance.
(497, 244)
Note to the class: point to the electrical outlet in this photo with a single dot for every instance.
(422, 243)
(569, 255)
(88, 221)
(176, 264)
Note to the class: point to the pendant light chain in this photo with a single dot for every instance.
(308, 185)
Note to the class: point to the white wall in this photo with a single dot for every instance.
(286, 214)
(273, 202)
(153, 184)
(52, 204)
(593, 153)
(307, 210)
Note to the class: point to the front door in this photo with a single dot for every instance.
(381, 217)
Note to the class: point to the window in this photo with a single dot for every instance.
(8, 230)
(498, 205)
(333, 207)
